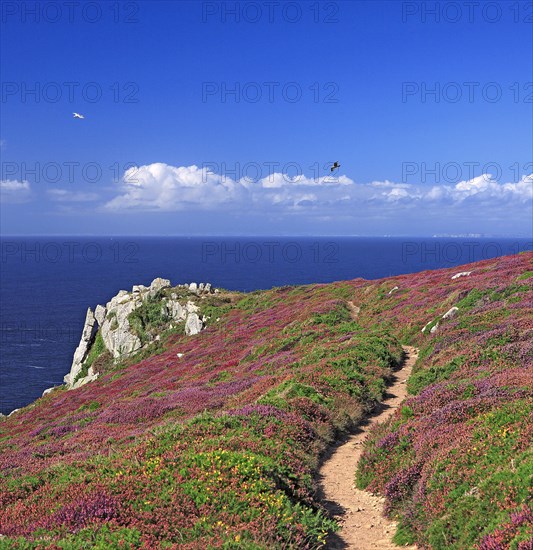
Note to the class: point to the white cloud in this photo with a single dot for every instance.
(62, 195)
(161, 187)
(14, 191)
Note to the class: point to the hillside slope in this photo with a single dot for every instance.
(214, 440)
(456, 462)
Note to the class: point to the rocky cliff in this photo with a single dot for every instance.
(128, 321)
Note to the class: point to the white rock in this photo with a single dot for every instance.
(451, 313)
(176, 310)
(461, 274)
(139, 289)
(207, 287)
(124, 299)
(426, 326)
(87, 335)
(193, 324)
(159, 284)
(85, 380)
(434, 328)
(48, 390)
(116, 331)
(193, 287)
(394, 290)
(99, 314)
(13, 412)
(179, 355)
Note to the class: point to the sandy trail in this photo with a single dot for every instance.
(361, 513)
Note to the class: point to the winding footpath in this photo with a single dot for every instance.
(361, 513)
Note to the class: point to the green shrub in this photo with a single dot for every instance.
(97, 349)
(424, 377)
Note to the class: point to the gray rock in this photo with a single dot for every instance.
(452, 312)
(461, 274)
(85, 380)
(99, 314)
(193, 324)
(87, 336)
(116, 333)
(139, 289)
(176, 310)
(159, 284)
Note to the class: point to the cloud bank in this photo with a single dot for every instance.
(162, 187)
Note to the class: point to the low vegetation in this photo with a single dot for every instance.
(456, 463)
(213, 441)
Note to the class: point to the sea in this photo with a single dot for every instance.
(47, 283)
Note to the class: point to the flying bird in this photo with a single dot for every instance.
(77, 115)
(335, 166)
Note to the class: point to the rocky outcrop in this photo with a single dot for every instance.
(99, 314)
(87, 336)
(91, 375)
(193, 325)
(119, 338)
(462, 274)
(452, 312)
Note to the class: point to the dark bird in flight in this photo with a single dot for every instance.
(335, 165)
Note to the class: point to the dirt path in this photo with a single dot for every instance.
(361, 513)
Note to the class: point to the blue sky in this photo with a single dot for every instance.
(316, 82)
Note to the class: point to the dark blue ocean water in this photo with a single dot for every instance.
(46, 284)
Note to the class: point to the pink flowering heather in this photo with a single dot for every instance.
(219, 448)
(454, 460)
